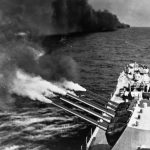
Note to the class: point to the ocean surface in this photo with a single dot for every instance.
(100, 58)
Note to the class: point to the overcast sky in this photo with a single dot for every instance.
(133, 12)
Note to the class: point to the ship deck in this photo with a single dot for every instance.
(98, 139)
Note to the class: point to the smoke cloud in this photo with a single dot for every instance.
(133, 12)
(6, 77)
(56, 67)
(32, 16)
(51, 17)
(79, 16)
(119, 7)
(24, 55)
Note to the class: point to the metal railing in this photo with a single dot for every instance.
(87, 139)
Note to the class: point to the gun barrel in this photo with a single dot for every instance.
(95, 106)
(88, 119)
(86, 110)
(102, 99)
(103, 102)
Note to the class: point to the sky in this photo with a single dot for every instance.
(133, 12)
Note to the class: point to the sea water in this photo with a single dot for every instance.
(100, 58)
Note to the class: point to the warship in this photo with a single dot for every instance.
(121, 123)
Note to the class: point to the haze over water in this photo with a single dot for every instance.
(101, 57)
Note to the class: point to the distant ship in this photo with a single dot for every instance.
(122, 123)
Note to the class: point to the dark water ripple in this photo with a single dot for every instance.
(101, 58)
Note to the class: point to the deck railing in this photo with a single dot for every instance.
(84, 145)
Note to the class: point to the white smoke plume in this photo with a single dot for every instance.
(33, 87)
(37, 88)
(71, 86)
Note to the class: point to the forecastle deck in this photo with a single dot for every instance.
(137, 133)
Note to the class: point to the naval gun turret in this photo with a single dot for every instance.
(108, 116)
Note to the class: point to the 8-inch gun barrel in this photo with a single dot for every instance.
(93, 105)
(89, 111)
(101, 125)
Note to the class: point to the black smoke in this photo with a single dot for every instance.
(79, 16)
(28, 16)
(56, 67)
(54, 17)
